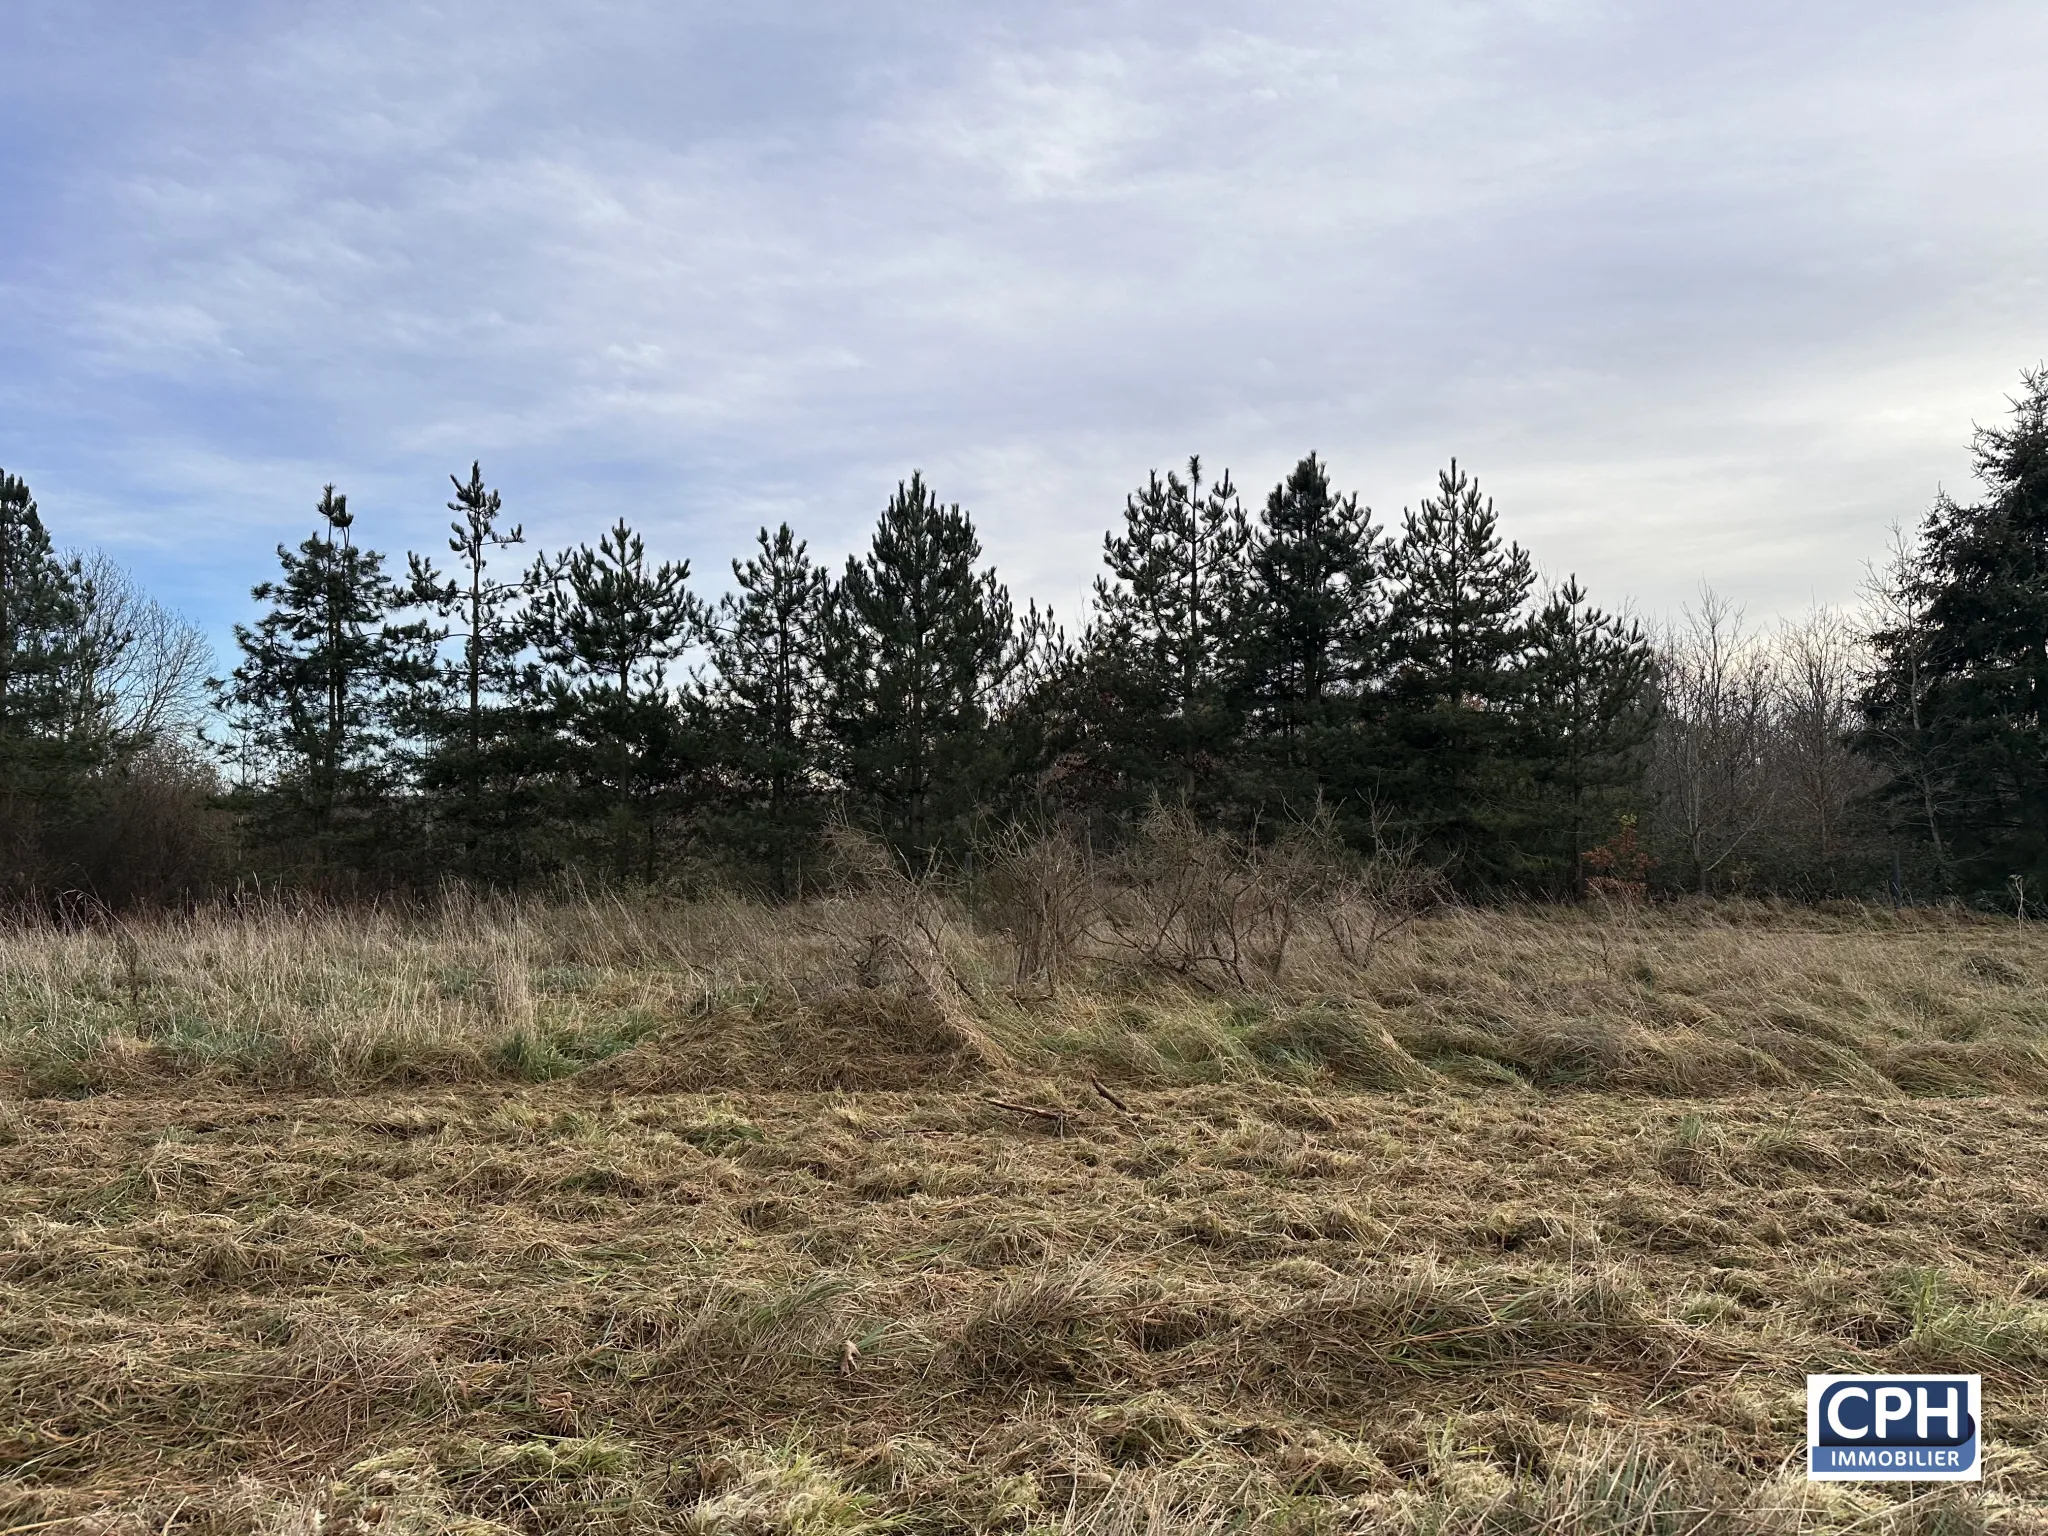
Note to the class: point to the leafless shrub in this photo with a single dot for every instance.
(1222, 910)
(893, 918)
(1042, 892)
(1202, 905)
(1368, 899)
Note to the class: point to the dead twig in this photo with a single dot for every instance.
(1058, 1117)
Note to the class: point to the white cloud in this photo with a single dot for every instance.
(1699, 292)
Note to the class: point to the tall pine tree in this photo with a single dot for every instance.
(1163, 651)
(1314, 630)
(50, 731)
(481, 760)
(1957, 707)
(919, 640)
(1459, 637)
(766, 701)
(608, 622)
(327, 691)
(1588, 710)
(58, 718)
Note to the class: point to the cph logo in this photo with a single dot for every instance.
(1893, 1428)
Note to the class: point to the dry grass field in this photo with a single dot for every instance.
(714, 1218)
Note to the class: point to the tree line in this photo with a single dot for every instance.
(512, 717)
(586, 709)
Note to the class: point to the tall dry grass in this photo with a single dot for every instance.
(1127, 982)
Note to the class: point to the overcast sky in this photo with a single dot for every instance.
(1701, 292)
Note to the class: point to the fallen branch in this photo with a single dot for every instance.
(1057, 1116)
(1096, 1084)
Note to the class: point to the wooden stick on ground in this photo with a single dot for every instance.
(1057, 1116)
(1096, 1082)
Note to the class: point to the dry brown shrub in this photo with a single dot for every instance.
(1368, 900)
(1203, 906)
(1043, 893)
(895, 921)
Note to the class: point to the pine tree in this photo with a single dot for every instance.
(1588, 713)
(1458, 642)
(1459, 597)
(329, 687)
(481, 755)
(1897, 730)
(1957, 707)
(766, 701)
(1163, 648)
(1038, 715)
(59, 726)
(1314, 630)
(918, 642)
(607, 622)
(51, 713)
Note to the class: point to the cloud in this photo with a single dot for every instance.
(1699, 292)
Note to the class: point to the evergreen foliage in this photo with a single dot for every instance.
(329, 692)
(62, 733)
(1314, 632)
(767, 706)
(1164, 649)
(607, 623)
(481, 754)
(590, 716)
(1957, 707)
(918, 643)
(55, 726)
(1460, 639)
(1589, 707)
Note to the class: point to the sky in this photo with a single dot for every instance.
(1702, 294)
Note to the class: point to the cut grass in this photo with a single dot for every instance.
(1496, 1237)
(1479, 1313)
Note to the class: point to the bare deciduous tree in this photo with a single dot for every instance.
(145, 663)
(1755, 775)
(1708, 766)
(1819, 665)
